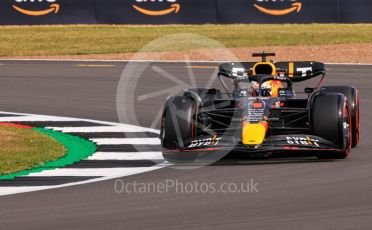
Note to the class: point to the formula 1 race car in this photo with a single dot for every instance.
(261, 114)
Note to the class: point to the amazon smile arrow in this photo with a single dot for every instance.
(53, 8)
(297, 6)
(174, 8)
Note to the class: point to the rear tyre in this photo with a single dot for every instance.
(178, 126)
(331, 120)
(352, 95)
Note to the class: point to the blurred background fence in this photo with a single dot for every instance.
(36, 12)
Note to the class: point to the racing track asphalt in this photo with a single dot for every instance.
(292, 194)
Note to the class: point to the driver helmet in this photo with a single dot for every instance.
(271, 88)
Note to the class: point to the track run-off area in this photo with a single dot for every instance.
(292, 193)
(115, 154)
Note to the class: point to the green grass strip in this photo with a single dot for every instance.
(77, 150)
(111, 39)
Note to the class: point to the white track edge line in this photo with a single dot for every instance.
(87, 120)
(43, 188)
(145, 61)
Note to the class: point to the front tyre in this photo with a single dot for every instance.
(331, 120)
(178, 126)
(352, 95)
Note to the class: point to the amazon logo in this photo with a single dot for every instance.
(50, 7)
(286, 7)
(171, 7)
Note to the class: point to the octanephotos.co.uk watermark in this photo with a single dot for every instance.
(175, 186)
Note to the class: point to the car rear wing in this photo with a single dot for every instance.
(296, 71)
(235, 69)
(300, 71)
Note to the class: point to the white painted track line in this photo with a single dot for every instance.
(57, 118)
(15, 190)
(37, 118)
(140, 61)
(155, 156)
(100, 129)
(90, 172)
(23, 189)
(126, 141)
